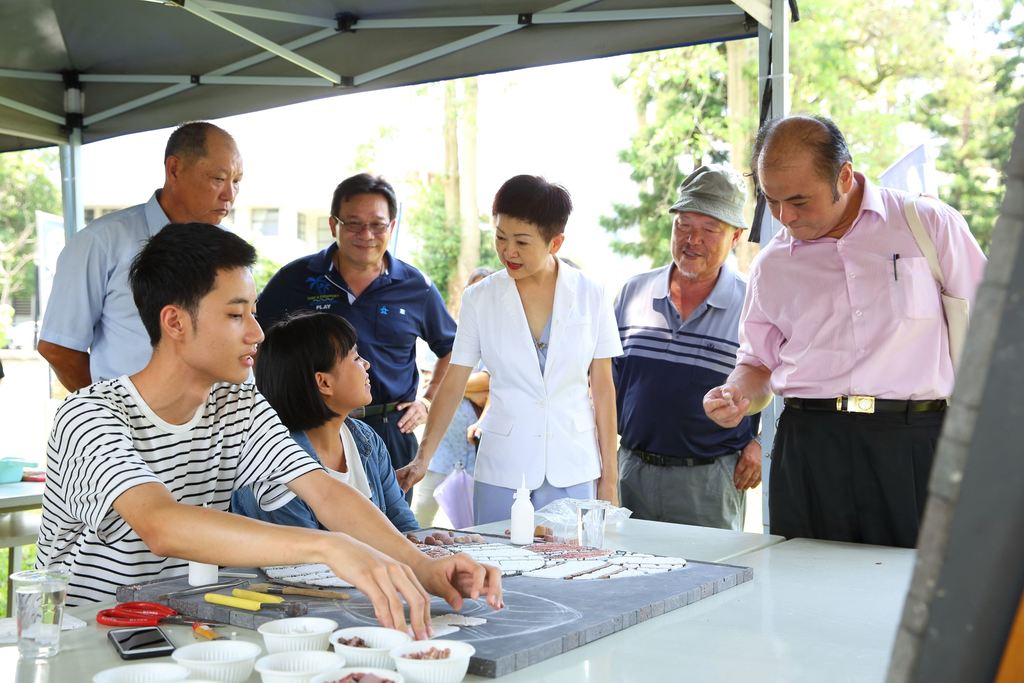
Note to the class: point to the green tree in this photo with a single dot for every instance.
(24, 189)
(440, 241)
(681, 112)
(444, 216)
(264, 269)
(974, 115)
(865, 64)
(870, 66)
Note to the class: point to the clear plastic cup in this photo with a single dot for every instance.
(39, 596)
(590, 516)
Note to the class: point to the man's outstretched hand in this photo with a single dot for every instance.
(725, 405)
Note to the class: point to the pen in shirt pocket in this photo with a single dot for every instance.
(895, 258)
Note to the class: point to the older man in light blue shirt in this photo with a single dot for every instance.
(91, 330)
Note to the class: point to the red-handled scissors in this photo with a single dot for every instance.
(140, 614)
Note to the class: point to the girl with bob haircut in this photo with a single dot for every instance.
(546, 334)
(309, 370)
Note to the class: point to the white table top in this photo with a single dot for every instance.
(815, 611)
(21, 495)
(675, 540)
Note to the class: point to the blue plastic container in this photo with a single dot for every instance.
(11, 469)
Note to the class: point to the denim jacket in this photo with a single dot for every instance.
(387, 495)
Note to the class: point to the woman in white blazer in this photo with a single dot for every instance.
(546, 334)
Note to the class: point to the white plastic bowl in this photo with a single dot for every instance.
(338, 674)
(224, 661)
(297, 634)
(451, 670)
(381, 641)
(296, 666)
(152, 672)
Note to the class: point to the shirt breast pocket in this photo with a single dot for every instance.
(915, 293)
(394, 326)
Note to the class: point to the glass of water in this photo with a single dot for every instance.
(590, 522)
(38, 609)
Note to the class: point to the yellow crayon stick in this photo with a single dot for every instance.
(229, 601)
(261, 598)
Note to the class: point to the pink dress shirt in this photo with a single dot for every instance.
(831, 317)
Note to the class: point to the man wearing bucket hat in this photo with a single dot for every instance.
(679, 326)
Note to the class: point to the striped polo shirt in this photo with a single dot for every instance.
(668, 364)
(106, 440)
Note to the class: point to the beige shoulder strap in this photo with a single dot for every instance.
(923, 240)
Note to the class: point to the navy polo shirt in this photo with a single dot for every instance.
(396, 308)
(668, 364)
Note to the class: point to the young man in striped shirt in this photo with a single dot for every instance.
(140, 469)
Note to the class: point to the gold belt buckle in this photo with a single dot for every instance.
(857, 404)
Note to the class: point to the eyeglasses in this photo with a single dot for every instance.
(357, 227)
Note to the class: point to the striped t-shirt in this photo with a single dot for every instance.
(668, 364)
(106, 440)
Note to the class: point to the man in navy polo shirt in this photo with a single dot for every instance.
(679, 326)
(388, 301)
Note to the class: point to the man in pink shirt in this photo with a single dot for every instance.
(843, 319)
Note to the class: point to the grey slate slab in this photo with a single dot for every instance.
(543, 617)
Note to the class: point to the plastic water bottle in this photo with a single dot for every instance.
(522, 516)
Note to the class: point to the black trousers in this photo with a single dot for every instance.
(401, 447)
(852, 477)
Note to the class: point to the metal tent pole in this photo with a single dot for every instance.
(71, 157)
(773, 76)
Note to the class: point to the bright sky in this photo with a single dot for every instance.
(566, 122)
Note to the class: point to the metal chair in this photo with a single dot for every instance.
(17, 529)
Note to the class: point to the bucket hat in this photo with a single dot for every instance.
(716, 191)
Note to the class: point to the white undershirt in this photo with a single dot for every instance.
(356, 475)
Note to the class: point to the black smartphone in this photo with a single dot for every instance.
(140, 642)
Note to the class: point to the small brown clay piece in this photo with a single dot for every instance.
(432, 653)
(354, 641)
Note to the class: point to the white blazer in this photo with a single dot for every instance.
(537, 425)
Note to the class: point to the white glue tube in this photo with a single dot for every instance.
(522, 516)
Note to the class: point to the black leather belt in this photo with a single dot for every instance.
(377, 409)
(865, 404)
(672, 460)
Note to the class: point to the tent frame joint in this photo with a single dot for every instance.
(74, 101)
(346, 21)
(525, 19)
(73, 121)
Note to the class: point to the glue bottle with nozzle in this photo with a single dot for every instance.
(522, 516)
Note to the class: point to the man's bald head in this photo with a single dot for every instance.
(780, 142)
(188, 141)
(202, 174)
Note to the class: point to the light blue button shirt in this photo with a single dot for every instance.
(91, 306)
